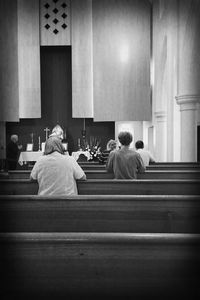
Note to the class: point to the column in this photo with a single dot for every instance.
(188, 94)
(161, 136)
(188, 109)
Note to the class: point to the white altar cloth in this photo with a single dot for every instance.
(27, 156)
(76, 154)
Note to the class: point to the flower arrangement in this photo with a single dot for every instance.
(93, 147)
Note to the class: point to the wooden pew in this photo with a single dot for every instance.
(189, 164)
(103, 174)
(111, 187)
(175, 165)
(100, 213)
(100, 265)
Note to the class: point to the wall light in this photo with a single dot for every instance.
(124, 53)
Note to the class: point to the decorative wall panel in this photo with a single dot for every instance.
(55, 22)
(9, 97)
(29, 59)
(82, 72)
(189, 45)
(121, 60)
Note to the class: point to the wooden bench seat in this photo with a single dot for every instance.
(100, 213)
(103, 265)
(111, 187)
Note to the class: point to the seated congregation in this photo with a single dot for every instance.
(123, 228)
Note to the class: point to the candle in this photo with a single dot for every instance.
(84, 124)
(39, 139)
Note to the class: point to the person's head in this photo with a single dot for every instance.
(111, 145)
(57, 131)
(139, 145)
(14, 138)
(125, 138)
(53, 144)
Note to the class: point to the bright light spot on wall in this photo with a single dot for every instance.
(152, 70)
(124, 53)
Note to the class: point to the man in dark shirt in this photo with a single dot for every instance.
(12, 152)
(125, 163)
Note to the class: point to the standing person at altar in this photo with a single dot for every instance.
(12, 152)
(55, 172)
(57, 131)
(125, 163)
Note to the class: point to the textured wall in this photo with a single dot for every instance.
(9, 94)
(82, 72)
(29, 59)
(121, 60)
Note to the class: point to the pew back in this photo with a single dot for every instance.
(103, 174)
(111, 187)
(100, 265)
(100, 213)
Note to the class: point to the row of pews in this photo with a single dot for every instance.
(120, 239)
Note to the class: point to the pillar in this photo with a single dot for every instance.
(161, 136)
(188, 94)
(188, 109)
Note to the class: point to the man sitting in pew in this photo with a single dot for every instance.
(55, 172)
(125, 163)
(145, 154)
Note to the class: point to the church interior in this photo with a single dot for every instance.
(98, 68)
(108, 66)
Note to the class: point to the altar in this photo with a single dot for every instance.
(27, 156)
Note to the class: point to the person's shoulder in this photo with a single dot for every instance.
(136, 153)
(42, 159)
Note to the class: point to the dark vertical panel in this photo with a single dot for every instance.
(9, 98)
(198, 143)
(56, 84)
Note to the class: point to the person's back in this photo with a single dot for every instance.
(145, 154)
(125, 163)
(56, 173)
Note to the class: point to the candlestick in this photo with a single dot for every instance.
(39, 148)
(46, 131)
(79, 143)
(84, 124)
(31, 138)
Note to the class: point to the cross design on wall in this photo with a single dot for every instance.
(55, 15)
